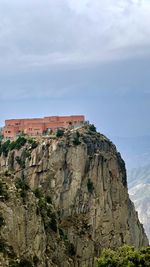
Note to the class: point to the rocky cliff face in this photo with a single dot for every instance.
(63, 201)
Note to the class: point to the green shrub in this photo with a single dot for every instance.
(90, 186)
(12, 145)
(23, 186)
(8, 146)
(92, 128)
(26, 155)
(33, 143)
(125, 256)
(59, 133)
(45, 210)
(38, 193)
(76, 140)
(20, 142)
(20, 162)
(53, 222)
(4, 148)
(42, 207)
(22, 159)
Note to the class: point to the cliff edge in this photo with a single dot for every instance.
(63, 199)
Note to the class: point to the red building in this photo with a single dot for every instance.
(39, 126)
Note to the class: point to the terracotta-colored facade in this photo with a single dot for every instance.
(39, 126)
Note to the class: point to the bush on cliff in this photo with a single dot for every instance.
(4, 148)
(20, 142)
(3, 191)
(92, 128)
(8, 145)
(125, 256)
(23, 187)
(59, 133)
(76, 140)
(33, 143)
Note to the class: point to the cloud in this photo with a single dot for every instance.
(37, 33)
(116, 79)
(58, 48)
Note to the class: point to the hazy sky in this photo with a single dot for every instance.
(87, 57)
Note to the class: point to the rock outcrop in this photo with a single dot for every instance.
(65, 200)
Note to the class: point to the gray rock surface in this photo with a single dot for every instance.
(85, 178)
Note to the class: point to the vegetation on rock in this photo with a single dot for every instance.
(7, 146)
(23, 187)
(21, 263)
(59, 133)
(125, 256)
(92, 128)
(76, 140)
(3, 191)
(45, 209)
(33, 143)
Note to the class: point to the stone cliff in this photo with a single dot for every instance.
(64, 200)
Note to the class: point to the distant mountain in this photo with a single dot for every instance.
(139, 190)
(136, 153)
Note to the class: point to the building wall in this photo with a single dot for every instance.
(9, 131)
(37, 126)
(34, 129)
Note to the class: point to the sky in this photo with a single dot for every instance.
(64, 57)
